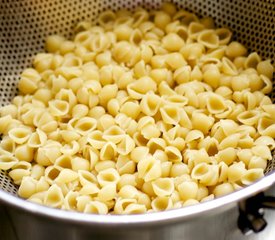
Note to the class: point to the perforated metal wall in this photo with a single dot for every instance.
(25, 24)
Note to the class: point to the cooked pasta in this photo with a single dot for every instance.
(147, 111)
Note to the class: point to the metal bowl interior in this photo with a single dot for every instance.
(24, 27)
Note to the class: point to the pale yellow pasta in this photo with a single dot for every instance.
(208, 38)
(66, 176)
(96, 207)
(227, 155)
(206, 174)
(149, 168)
(148, 111)
(235, 49)
(257, 162)
(188, 190)
(37, 171)
(27, 187)
(163, 187)
(20, 170)
(162, 203)
(236, 171)
(108, 192)
(223, 189)
(24, 153)
(70, 200)
(37, 139)
(54, 196)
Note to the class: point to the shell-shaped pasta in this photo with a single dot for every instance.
(139, 153)
(165, 89)
(126, 145)
(149, 169)
(250, 117)
(91, 189)
(113, 134)
(185, 17)
(54, 196)
(140, 87)
(176, 100)
(172, 42)
(108, 151)
(70, 200)
(51, 173)
(135, 208)
(105, 122)
(194, 135)
(107, 193)
(224, 35)
(128, 192)
(173, 154)
(210, 145)
(162, 203)
(24, 153)
(266, 127)
(125, 166)
(20, 135)
(83, 126)
(95, 139)
(96, 207)
(223, 189)
(20, 170)
(131, 109)
(155, 144)
(86, 177)
(236, 171)
(228, 67)
(66, 176)
(27, 187)
(206, 174)
(188, 190)
(265, 140)
(215, 104)
(262, 151)
(70, 148)
(202, 122)
(64, 161)
(42, 185)
(178, 169)
(257, 162)
(170, 114)
(68, 96)
(230, 141)
(108, 176)
(194, 29)
(163, 187)
(7, 160)
(5, 121)
(252, 175)
(208, 38)
(265, 68)
(227, 155)
(58, 107)
(37, 139)
(82, 201)
(122, 203)
(252, 60)
(268, 84)
(150, 104)
(130, 57)
(7, 145)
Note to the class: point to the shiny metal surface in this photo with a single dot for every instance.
(24, 26)
(213, 226)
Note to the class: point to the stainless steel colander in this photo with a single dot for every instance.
(24, 26)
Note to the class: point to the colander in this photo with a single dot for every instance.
(25, 24)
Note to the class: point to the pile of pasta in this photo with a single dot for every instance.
(146, 111)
